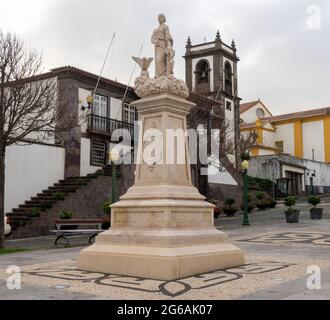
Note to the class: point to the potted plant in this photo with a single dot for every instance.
(228, 208)
(291, 214)
(217, 210)
(261, 201)
(251, 205)
(67, 215)
(59, 196)
(272, 204)
(34, 212)
(316, 213)
(107, 215)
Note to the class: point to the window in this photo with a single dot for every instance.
(98, 153)
(279, 145)
(202, 71)
(129, 113)
(228, 79)
(260, 113)
(100, 106)
(228, 105)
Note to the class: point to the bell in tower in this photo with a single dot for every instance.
(211, 68)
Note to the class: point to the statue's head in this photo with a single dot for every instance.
(161, 18)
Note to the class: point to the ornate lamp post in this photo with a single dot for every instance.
(113, 157)
(89, 101)
(245, 167)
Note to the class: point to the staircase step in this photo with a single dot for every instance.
(70, 185)
(41, 206)
(11, 215)
(21, 217)
(43, 197)
(93, 175)
(60, 189)
(48, 194)
(20, 211)
(41, 203)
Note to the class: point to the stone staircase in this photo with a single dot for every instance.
(82, 195)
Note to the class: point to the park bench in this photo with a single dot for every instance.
(72, 229)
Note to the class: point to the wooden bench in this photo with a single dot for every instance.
(64, 234)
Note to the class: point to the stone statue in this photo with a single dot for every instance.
(144, 64)
(164, 81)
(163, 42)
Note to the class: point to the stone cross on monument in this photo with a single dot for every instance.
(162, 228)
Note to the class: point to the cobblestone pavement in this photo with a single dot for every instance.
(278, 256)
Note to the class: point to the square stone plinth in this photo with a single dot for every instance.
(160, 263)
(160, 254)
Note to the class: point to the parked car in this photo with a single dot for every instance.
(7, 227)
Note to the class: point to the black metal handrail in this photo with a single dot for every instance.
(107, 125)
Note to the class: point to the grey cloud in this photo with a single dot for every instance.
(282, 62)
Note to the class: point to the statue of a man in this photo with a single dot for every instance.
(164, 52)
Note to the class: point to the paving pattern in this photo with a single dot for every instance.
(166, 288)
(278, 256)
(290, 238)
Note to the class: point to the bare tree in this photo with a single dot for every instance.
(247, 139)
(27, 108)
(225, 138)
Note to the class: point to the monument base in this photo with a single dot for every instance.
(163, 238)
(160, 263)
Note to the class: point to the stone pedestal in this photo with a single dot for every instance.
(162, 228)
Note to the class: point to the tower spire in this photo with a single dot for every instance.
(218, 37)
(188, 42)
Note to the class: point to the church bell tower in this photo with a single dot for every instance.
(211, 68)
(211, 71)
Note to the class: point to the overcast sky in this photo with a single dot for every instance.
(284, 46)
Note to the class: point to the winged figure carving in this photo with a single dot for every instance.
(144, 64)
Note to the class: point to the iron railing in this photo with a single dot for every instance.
(107, 126)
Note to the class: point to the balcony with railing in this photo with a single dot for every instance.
(103, 125)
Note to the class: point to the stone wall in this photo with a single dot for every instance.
(68, 129)
(221, 192)
(85, 203)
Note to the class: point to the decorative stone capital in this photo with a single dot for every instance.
(145, 86)
(163, 102)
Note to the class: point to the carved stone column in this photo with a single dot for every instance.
(162, 228)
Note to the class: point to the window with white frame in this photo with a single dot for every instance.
(98, 153)
(129, 113)
(100, 106)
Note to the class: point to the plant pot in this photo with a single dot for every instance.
(273, 205)
(229, 212)
(262, 207)
(292, 216)
(217, 212)
(316, 213)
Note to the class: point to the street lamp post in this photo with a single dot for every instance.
(114, 157)
(245, 167)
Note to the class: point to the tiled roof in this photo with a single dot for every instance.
(69, 70)
(289, 116)
(64, 69)
(299, 115)
(246, 106)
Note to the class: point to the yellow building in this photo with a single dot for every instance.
(303, 134)
(292, 150)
